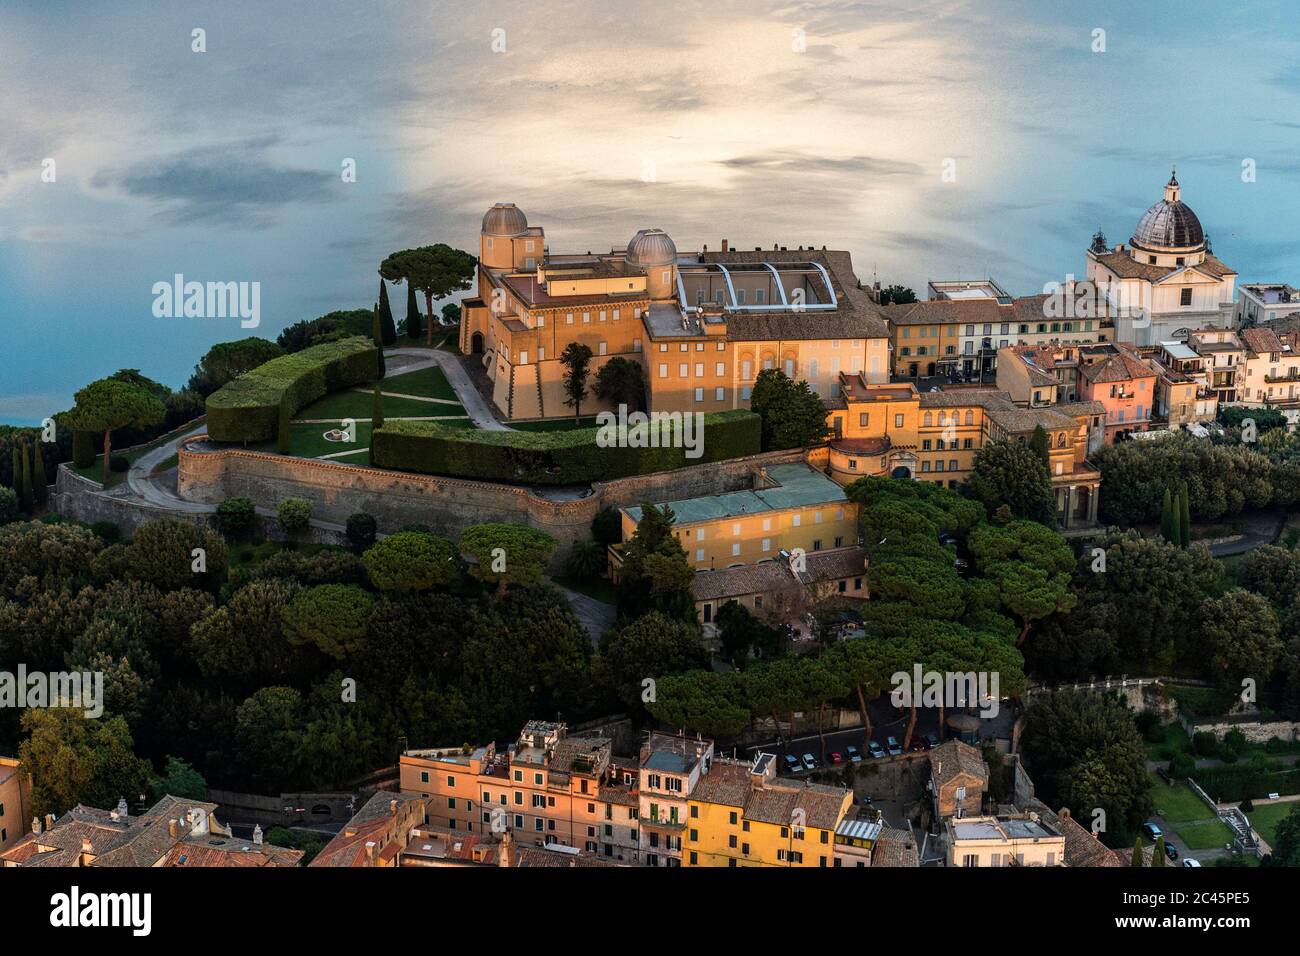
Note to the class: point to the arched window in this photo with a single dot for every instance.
(1060, 440)
(970, 417)
(929, 419)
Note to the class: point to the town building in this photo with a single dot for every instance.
(897, 431)
(959, 337)
(1004, 840)
(378, 834)
(175, 832)
(1225, 361)
(740, 814)
(1259, 303)
(1183, 395)
(778, 590)
(1114, 377)
(1271, 375)
(547, 787)
(959, 777)
(702, 324)
(672, 766)
(1036, 375)
(1166, 281)
(790, 507)
(15, 801)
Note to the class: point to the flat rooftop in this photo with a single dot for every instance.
(797, 486)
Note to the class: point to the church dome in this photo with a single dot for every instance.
(650, 248)
(504, 219)
(1169, 224)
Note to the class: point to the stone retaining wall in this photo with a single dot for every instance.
(446, 505)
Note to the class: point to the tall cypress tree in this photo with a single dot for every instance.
(376, 411)
(1137, 853)
(17, 479)
(1158, 857)
(1168, 530)
(377, 334)
(26, 495)
(1185, 518)
(414, 327)
(387, 330)
(40, 487)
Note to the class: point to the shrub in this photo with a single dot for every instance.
(118, 464)
(411, 561)
(162, 553)
(236, 518)
(332, 616)
(1182, 766)
(562, 457)
(83, 449)
(248, 408)
(9, 509)
(106, 531)
(294, 514)
(1247, 806)
(1205, 744)
(361, 528)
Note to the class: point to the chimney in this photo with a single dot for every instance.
(507, 849)
(122, 810)
(86, 846)
(257, 834)
(392, 807)
(726, 246)
(173, 828)
(370, 852)
(49, 821)
(36, 825)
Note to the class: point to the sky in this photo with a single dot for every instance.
(932, 140)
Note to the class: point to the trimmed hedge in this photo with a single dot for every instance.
(1232, 783)
(248, 408)
(550, 458)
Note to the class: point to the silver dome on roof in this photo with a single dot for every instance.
(650, 248)
(1169, 224)
(504, 219)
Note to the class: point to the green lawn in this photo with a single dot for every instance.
(1177, 804)
(1205, 836)
(1266, 818)
(427, 383)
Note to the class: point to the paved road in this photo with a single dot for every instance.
(1261, 527)
(596, 616)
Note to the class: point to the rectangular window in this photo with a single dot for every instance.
(604, 348)
(1185, 297)
(663, 370)
(719, 393)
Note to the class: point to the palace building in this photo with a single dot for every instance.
(702, 325)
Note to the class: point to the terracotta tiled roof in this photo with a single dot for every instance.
(954, 757)
(894, 848)
(1126, 267)
(1261, 341)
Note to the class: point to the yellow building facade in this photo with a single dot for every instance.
(741, 815)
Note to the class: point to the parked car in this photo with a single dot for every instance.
(1171, 851)
(875, 749)
(792, 764)
(808, 762)
(1190, 862)
(837, 757)
(893, 746)
(854, 755)
(1152, 830)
